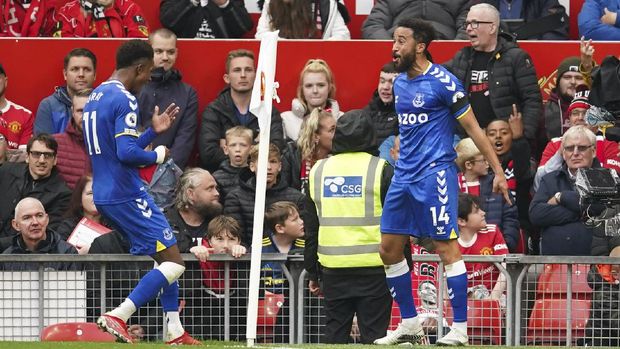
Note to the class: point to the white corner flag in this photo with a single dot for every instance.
(261, 105)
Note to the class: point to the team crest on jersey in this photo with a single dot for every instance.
(15, 127)
(486, 251)
(418, 100)
(131, 119)
(168, 234)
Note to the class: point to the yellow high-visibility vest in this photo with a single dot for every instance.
(346, 189)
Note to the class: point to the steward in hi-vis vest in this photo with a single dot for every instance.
(345, 196)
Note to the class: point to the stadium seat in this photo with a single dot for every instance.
(268, 309)
(75, 332)
(484, 320)
(552, 282)
(547, 323)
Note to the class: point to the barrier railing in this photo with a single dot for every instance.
(541, 305)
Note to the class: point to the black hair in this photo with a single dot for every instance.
(44, 138)
(80, 52)
(423, 31)
(133, 51)
(389, 68)
(467, 203)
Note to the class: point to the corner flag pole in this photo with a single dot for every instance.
(261, 105)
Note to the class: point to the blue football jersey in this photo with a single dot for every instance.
(427, 106)
(111, 117)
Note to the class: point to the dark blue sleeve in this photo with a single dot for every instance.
(544, 215)
(130, 153)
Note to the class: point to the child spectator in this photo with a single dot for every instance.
(479, 238)
(316, 89)
(514, 152)
(238, 144)
(476, 180)
(302, 19)
(223, 237)
(101, 19)
(284, 234)
(240, 201)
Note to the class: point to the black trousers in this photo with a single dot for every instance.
(366, 296)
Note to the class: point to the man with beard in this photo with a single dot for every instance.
(232, 108)
(166, 86)
(422, 199)
(567, 80)
(196, 202)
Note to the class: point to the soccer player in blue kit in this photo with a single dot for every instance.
(116, 150)
(422, 199)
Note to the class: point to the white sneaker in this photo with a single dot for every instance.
(454, 338)
(404, 334)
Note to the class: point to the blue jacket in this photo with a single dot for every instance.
(562, 230)
(163, 89)
(54, 112)
(589, 20)
(499, 212)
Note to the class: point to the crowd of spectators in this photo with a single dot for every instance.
(45, 171)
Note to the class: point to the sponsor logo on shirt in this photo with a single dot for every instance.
(342, 186)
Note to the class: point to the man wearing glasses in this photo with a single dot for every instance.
(37, 178)
(555, 208)
(496, 73)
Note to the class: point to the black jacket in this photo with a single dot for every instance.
(184, 19)
(240, 202)
(52, 244)
(311, 225)
(163, 89)
(383, 117)
(291, 165)
(535, 9)
(218, 117)
(181, 230)
(563, 232)
(512, 80)
(16, 184)
(446, 16)
(227, 179)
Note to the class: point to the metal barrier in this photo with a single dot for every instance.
(542, 304)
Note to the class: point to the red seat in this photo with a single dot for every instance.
(75, 332)
(268, 309)
(552, 282)
(484, 320)
(547, 323)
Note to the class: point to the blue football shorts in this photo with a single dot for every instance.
(142, 223)
(427, 208)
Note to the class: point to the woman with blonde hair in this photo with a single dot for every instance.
(316, 89)
(314, 143)
(303, 19)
